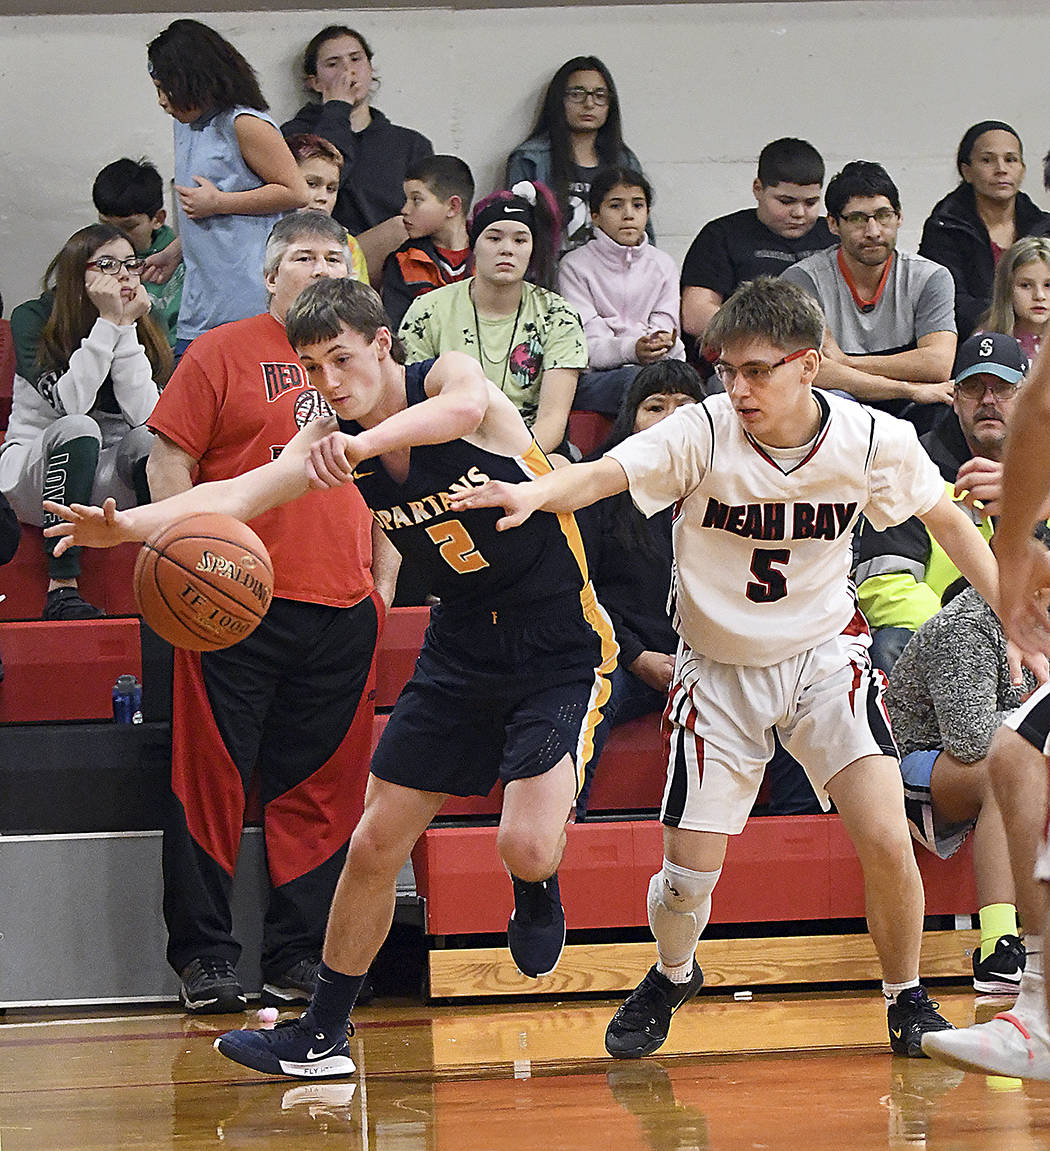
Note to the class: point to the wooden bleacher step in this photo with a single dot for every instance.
(728, 963)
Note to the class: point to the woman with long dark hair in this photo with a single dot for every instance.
(89, 364)
(578, 132)
(981, 217)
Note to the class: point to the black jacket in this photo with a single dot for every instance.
(954, 235)
(632, 582)
(374, 161)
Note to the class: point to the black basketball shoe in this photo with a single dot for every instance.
(911, 1016)
(536, 931)
(641, 1023)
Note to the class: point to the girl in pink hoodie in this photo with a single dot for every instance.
(625, 290)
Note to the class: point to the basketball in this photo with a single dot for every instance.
(204, 582)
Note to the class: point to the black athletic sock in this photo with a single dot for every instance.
(68, 479)
(334, 999)
(139, 481)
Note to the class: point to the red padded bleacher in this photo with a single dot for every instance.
(398, 647)
(588, 430)
(780, 869)
(57, 672)
(105, 578)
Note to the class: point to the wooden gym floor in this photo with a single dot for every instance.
(776, 1072)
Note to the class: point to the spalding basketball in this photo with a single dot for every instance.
(204, 582)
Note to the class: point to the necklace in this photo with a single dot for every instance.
(482, 353)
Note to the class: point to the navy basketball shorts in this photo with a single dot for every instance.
(500, 696)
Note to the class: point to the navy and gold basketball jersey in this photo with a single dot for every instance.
(463, 559)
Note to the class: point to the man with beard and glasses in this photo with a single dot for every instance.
(902, 572)
(891, 321)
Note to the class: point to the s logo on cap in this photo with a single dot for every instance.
(986, 347)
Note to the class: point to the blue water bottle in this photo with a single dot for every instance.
(127, 700)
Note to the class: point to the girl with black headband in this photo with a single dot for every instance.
(528, 340)
(975, 223)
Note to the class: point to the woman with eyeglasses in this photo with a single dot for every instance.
(578, 132)
(979, 219)
(90, 361)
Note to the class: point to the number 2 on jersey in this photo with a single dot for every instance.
(772, 584)
(457, 549)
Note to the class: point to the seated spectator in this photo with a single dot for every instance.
(979, 219)
(528, 340)
(948, 694)
(321, 164)
(890, 337)
(629, 558)
(902, 572)
(578, 131)
(129, 194)
(337, 69)
(234, 176)
(625, 290)
(785, 226)
(1021, 294)
(90, 361)
(438, 193)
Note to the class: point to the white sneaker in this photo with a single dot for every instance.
(1009, 1045)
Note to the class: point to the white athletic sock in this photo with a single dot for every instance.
(678, 974)
(890, 991)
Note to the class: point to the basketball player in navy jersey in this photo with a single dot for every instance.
(513, 671)
(769, 480)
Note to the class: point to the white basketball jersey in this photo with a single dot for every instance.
(763, 547)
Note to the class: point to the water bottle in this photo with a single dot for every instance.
(127, 700)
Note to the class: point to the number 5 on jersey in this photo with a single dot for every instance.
(457, 549)
(772, 583)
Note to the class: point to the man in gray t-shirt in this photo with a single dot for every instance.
(891, 316)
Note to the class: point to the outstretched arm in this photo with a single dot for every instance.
(563, 490)
(243, 497)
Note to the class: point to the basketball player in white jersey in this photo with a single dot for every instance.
(769, 480)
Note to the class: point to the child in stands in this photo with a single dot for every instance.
(129, 194)
(625, 290)
(1021, 294)
(438, 194)
(234, 176)
(89, 364)
(321, 163)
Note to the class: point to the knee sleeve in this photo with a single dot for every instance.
(679, 908)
